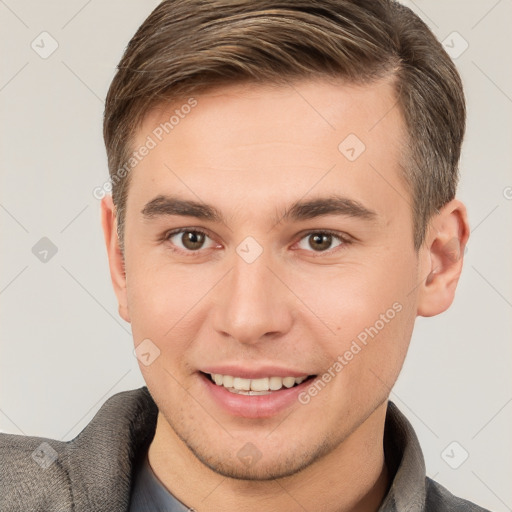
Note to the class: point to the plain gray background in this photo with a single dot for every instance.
(64, 350)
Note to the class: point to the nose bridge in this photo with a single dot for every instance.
(253, 303)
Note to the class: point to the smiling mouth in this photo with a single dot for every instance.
(255, 387)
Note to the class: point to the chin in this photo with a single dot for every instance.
(249, 463)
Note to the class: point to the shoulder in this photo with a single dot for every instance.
(33, 473)
(439, 499)
(93, 471)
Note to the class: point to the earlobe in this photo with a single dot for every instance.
(442, 258)
(115, 256)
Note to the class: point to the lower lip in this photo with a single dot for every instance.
(253, 406)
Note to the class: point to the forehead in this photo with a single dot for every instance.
(261, 143)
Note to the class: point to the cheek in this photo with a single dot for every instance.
(163, 299)
(164, 321)
(151, 297)
(345, 300)
(364, 316)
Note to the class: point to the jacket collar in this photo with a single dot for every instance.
(405, 461)
(101, 459)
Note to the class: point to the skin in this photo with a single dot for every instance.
(251, 151)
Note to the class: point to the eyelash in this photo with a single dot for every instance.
(344, 239)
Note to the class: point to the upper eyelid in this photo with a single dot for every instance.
(176, 231)
(340, 234)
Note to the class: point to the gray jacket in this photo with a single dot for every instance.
(95, 471)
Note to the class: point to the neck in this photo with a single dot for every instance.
(352, 478)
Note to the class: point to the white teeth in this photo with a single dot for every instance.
(259, 384)
(227, 380)
(288, 382)
(255, 386)
(242, 384)
(275, 383)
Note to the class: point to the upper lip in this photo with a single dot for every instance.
(254, 373)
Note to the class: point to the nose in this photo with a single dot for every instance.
(253, 304)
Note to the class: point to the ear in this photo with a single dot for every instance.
(442, 258)
(115, 256)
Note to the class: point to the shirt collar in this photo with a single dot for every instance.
(150, 495)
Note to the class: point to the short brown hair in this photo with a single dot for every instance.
(186, 47)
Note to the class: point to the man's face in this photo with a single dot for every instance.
(309, 262)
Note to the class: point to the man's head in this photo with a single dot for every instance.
(187, 47)
(278, 226)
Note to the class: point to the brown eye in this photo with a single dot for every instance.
(189, 240)
(192, 240)
(321, 241)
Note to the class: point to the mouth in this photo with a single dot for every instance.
(256, 387)
(262, 392)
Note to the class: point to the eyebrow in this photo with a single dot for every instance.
(300, 210)
(170, 205)
(332, 205)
